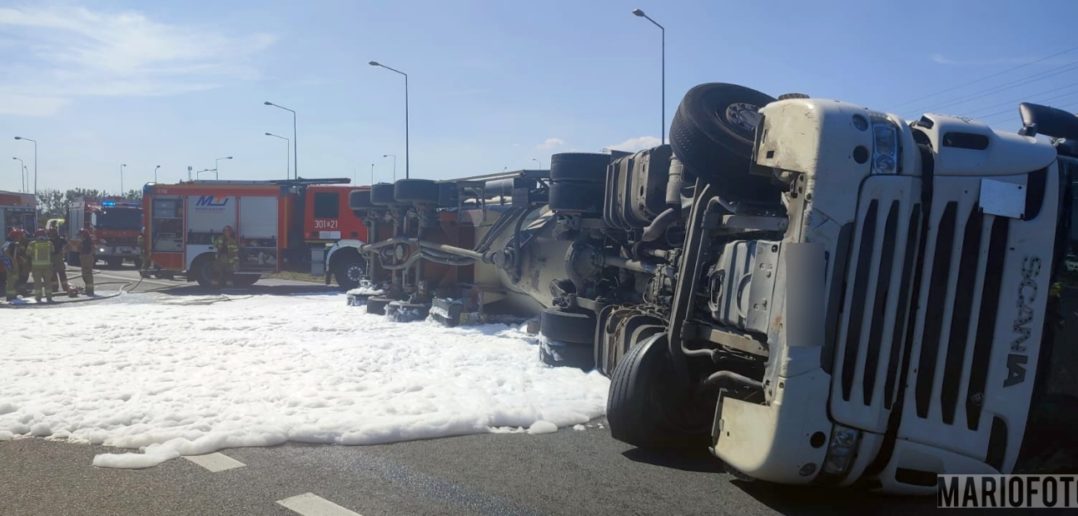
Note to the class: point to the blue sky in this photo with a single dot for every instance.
(493, 84)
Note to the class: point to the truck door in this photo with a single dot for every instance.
(207, 215)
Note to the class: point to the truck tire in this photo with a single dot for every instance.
(422, 191)
(348, 270)
(566, 354)
(359, 199)
(377, 305)
(114, 263)
(202, 271)
(641, 405)
(569, 327)
(579, 166)
(576, 198)
(448, 195)
(382, 194)
(713, 132)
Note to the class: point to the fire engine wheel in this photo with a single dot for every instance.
(202, 270)
(114, 263)
(348, 271)
(415, 190)
(713, 133)
(576, 198)
(377, 305)
(566, 354)
(569, 327)
(643, 408)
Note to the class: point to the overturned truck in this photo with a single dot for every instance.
(818, 292)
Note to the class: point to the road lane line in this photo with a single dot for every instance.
(215, 462)
(310, 504)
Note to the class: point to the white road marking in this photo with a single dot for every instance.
(215, 462)
(310, 504)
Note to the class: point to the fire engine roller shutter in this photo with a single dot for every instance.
(258, 217)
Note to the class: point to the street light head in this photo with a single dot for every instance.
(268, 103)
(228, 157)
(375, 63)
(269, 134)
(18, 137)
(638, 12)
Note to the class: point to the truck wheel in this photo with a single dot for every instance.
(114, 263)
(642, 407)
(569, 327)
(359, 199)
(138, 263)
(348, 270)
(202, 271)
(382, 194)
(566, 354)
(713, 133)
(377, 305)
(579, 166)
(576, 198)
(415, 191)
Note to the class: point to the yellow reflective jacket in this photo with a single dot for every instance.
(227, 248)
(40, 253)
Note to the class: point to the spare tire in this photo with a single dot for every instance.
(382, 194)
(713, 133)
(422, 191)
(448, 195)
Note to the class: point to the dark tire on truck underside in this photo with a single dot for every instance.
(382, 194)
(570, 327)
(712, 134)
(567, 354)
(422, 191)
(348, 271)
(642, 408)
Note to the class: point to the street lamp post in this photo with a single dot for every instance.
(22, 174)
(407, 161)
(295, 144)
(287, 153)
(540, 162)
(372, 173)
(122, 166)
(394, 156)
(35, 161)
(155, 168)
(662, 122)
(214, 170)
(217, 165)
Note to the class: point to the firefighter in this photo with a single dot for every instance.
(58, 278)
(228, 251)
(40, 251)
(86, 259)
(12, 251)
(143, 255)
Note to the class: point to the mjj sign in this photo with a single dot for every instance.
(211, 201)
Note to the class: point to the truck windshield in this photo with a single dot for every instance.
(119, 218)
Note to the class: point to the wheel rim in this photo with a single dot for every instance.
(743, 116)
(354, 272)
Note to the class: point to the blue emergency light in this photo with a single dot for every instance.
(108, 204)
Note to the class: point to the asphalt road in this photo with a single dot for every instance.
(560, 473)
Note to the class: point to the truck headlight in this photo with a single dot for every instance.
(884, 146)
(841, 450)
(101, 250)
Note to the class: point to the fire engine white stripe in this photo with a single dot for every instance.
(215, 462)
(310, 504)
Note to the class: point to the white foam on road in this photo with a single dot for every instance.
(191, 376)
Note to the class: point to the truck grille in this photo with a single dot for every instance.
(950, 329)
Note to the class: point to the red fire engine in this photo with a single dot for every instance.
(116, 224)
(281, 225)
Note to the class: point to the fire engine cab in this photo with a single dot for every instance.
(280, 225)
(116, 224)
